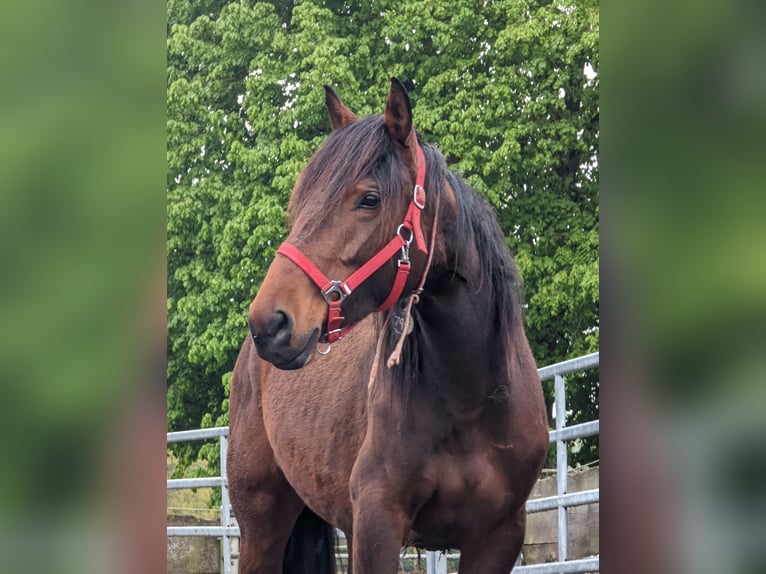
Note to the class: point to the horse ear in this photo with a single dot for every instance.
(398, 114)
(340, 115)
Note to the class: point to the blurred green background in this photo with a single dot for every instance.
(684, 280)
(82, 165)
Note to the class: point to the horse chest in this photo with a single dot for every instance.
(305, 424)
(471, 492)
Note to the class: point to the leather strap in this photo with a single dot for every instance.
(296, 256)
(396, 290)
(412, 218)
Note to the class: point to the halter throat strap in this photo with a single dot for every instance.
(335, 292)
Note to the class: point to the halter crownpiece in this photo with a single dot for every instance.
(335, 292)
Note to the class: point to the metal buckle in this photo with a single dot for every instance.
(335, 287)
(406, 246)
(399, 233)
(415, 196)
(325, 340)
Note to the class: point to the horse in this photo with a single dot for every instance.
(401, 404)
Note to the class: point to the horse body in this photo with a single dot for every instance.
(440, 450)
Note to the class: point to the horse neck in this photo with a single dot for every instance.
(460, 347)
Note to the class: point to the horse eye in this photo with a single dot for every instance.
(369, 201)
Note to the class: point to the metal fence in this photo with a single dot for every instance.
(564, 499)
(226, 531)
(436, 562)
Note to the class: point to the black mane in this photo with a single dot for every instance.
(476, 250)
(359, 149)
(477, 232)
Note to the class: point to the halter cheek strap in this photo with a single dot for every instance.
(335, 292)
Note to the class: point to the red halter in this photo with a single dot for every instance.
(335, 292)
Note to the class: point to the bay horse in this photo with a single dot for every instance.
(422, 424)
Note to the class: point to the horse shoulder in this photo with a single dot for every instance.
(250, 457)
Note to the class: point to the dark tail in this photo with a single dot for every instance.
(311, 547)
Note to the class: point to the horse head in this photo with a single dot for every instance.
(353, 214)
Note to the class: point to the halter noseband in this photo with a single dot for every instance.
(335, 292)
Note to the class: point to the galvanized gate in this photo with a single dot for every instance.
(436, 562)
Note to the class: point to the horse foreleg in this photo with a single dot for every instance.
(265, 514)
(378, 533)
(379, 523)
(497, 551)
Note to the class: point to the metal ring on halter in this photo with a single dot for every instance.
(336, 287)
(325, 352)
(422, 204)
(399, 233)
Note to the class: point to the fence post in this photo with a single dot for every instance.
(561, 465)
(436, 562)
(225, 506)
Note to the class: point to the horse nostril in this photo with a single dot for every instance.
(279, 328)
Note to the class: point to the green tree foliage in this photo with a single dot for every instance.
(507, 88)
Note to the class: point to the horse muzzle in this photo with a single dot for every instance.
(274, 341)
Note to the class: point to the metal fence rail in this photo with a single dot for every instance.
(563, 499)
(226, 531)
(436, 562)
